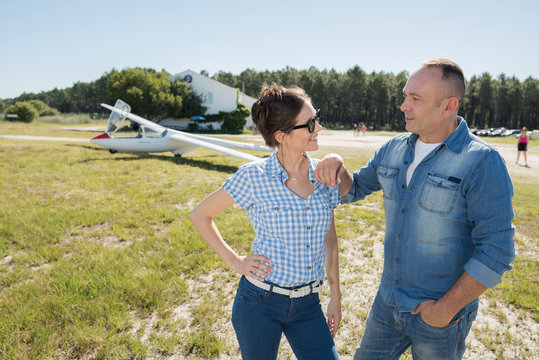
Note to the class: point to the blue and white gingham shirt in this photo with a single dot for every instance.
(289, 230)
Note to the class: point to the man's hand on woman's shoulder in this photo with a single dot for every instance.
(329, 170)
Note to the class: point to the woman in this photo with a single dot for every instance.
(292, 215)
(522, 146)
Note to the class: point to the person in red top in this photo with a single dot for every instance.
(523, 146)
(363, 129)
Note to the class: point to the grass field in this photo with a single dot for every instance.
(98, 258)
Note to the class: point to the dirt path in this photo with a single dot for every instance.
(342, 138)
(372, 142)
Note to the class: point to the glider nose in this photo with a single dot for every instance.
(102, 136)
(101, 139)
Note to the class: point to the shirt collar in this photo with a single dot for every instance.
(274, 167)
(456, 141)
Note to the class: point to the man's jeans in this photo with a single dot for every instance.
(389, 333)
(260, 317)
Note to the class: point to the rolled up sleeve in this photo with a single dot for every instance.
(365, 182)
(490, 213)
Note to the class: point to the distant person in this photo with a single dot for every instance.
(363, 129)
(448, 208)
(355, 129)
(522, 146)
(292, 215)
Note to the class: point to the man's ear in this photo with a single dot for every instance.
(451, 105)
(279, 136)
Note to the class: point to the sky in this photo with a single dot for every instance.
(56, 43)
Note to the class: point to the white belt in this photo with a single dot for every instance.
(294, 293)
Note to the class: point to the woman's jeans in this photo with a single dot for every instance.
(389, 333)
(260, 317)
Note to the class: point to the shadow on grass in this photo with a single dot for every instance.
(207, 165)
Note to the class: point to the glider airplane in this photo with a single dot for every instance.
(177, 142)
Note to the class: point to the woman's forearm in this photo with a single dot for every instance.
(332, 261)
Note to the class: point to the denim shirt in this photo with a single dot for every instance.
(454, 216)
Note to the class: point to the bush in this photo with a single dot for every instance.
(25, 111)
(235, 121)
(39, 105)
(49, 112)
(231, 122)
(149, 92)
(44, 109)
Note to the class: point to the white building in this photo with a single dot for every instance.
(215, 95)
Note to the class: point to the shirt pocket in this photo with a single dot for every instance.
(439, 194)
(322, 198)
(387, 176)
(319, 213)
(278, 220)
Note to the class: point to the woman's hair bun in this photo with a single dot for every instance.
(276, 110)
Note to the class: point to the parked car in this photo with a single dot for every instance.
(511, 132)
(484, 132)
(497, 132)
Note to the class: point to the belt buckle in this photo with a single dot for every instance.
(300, 292)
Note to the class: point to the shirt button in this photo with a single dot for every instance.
(308, 208)
(403, 186)
(308, 228)
(312, 181)
(397, 282)
(276, 208)
(397, 260)
(308, 268)
(402, 211)
(308, 246)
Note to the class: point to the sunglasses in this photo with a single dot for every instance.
(311, 124)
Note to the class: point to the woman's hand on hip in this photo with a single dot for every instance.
(253, 266)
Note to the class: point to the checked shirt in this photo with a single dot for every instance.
(289, 230)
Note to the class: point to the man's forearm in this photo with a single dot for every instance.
(440, 313)
(463, 292)
(346, 181)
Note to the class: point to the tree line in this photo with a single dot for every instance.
(344, 98)
(374, 99)
(150, 94)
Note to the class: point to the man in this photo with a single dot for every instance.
(447, 202)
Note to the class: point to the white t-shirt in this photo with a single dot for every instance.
(421, 150)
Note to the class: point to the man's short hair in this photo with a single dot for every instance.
(452, 74)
